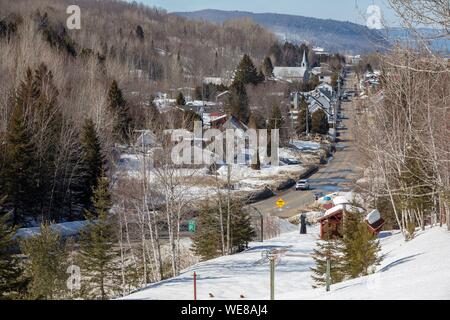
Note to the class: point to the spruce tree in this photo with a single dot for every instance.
(328, 249)
(207, 240)
(180, 99)
(267, 67)
(19, 172)
(253, 125)
(11, 281)
(97, 257)
(90, 165)
(118, 107)
(46, 264)
(246, 72)
(140, 33)
(360, 246)
(319, 122)
(242, 231)
(238, 102)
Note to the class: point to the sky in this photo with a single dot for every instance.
(343, 10)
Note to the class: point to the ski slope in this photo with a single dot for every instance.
(418, 269)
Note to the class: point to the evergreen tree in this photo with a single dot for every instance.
(180, 99)
(246, 72)
(242, 231)
(253, 125)
(238, 102)
(207, 240)
(11, 282)
(301, 120)
(19, 172)
(139, 33)
(90, 165)
(267, 67)
(360, 247)
(328, 249)
(319, 122)
(46, 264)
(97, 257)
(118, 107)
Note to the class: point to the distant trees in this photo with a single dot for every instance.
(319, 122)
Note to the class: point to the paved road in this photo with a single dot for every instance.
(337, 175)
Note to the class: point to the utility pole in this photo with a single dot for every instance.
(272, 276)
(195, 286)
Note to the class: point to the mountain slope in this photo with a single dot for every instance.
(332, 34)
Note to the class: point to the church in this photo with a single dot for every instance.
(290, 74)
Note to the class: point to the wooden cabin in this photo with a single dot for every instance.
(331, 222)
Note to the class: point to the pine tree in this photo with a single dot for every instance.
(11, 281)
(46, 265)
(360, 246)
(267, 67)
(97, 258)
(301, 120)
(118, 107)
(139, 33)
(319, 122)
(242, 231)
(19, 172)
(328, 249)
(90, 166)
(253, 125)
(207, 240)
(180, 101)
(238, 102)
(246, 72)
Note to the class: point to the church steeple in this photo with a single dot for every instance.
(304, 62)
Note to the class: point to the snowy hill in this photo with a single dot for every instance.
(417, 269)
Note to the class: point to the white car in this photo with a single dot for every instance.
(302, 184)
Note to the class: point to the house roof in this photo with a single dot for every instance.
(289, 72)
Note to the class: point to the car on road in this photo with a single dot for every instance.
(302, 184)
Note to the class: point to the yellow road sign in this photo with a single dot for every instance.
(280, 203)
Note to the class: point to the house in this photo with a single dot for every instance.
(290, 74)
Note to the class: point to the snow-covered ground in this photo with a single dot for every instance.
(418, 269)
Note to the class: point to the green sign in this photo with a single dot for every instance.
(191, 226)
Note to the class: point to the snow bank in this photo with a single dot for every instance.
(65, 229)
(417, 269)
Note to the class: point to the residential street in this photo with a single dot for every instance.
(337, 175)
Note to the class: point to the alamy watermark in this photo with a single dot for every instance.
(375, 17)
(73, 22)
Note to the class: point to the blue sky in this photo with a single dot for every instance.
(344, 10)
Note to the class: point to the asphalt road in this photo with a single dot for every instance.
(337, 175)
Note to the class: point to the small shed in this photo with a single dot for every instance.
(332, 220)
